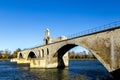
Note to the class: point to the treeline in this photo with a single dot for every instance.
(6, 54)
(81, 55)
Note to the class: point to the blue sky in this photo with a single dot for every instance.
(23, 22)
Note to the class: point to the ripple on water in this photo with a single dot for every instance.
(78, 70)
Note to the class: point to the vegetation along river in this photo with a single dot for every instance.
(77, 70)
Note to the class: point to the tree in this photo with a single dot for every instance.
(14, 55)
(1, 51)
(7, 53)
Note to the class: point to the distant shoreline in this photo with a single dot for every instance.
(69, 59)
(4, 59)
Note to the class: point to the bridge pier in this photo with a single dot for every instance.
(43, 63)
(37, 63)
(23, 61)
(14, 60)
(49, 62)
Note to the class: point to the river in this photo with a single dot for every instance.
(77, 70)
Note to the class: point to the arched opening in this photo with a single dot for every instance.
(20, 55)
(77, 54)
(39, 54)
(32, 55)
(61, 52)
(80, 53)
(47, 51)
(83, 64)
(43, 53)
(46, 41)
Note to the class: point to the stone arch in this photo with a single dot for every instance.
(64, 48)
(60, 52)
(43, 54)
(47, 51)
(40, 55)
(46, 41)
(20, 55)
(31, 55)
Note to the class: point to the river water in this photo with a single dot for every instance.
(77, 70)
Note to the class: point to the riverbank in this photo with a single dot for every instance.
(4, 59)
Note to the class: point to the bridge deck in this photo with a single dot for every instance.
(104, 28)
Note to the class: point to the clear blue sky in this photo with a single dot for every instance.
(23, 22)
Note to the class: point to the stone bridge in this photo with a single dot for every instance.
(104, 44)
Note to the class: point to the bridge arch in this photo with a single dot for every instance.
(43, 54)
(20, 55)
(60, 53)
(47, 51)
(65, 48)
(31, 54)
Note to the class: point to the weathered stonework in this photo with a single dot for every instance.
(105, 45)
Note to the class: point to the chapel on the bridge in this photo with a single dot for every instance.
(48, 39)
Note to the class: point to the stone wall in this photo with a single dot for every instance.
(105, 45)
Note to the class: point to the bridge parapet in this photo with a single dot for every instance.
(96, 29)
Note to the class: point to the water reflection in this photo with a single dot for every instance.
(82, 70)
(78, 70)
(51, 74)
